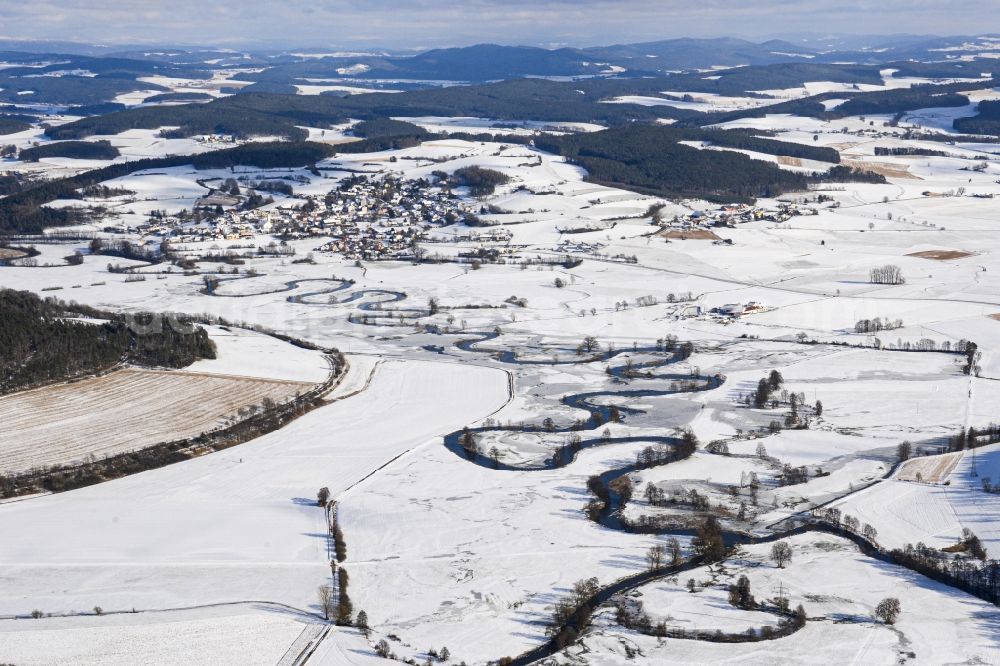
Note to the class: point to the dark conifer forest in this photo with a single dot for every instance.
(43, 341)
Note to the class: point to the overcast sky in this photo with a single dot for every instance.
(428, 23)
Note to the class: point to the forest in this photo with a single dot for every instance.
(9, 124)
(178, 97)
(264, 114)
(987, 121)
(41, 342)
(650, 159)
(240, 121)
(67, 89)
(78, 150)
(253, 113)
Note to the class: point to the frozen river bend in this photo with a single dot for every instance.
(240, 525)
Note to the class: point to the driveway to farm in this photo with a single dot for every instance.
(237, 525)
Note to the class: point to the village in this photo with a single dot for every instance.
(364, 219)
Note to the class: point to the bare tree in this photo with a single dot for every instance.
(362, 623)
(781, 553)
(869, 533)
(655, 557)
(904, 450)
(327, 600)
(674, 548)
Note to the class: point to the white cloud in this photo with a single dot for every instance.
(437, 22)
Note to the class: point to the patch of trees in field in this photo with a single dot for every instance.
(98, 109)
(771, 394)
(987, 121)
(105, 192)
(40, 342)
(846, 174)
(77, 150)
(882, 151)
(479, 180)
(887, 274)
(876, 325)
(123, 249)
(382, 127)
(178, 97)
(380, 143)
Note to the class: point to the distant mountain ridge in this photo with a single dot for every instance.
(488, 62)
(690, 53)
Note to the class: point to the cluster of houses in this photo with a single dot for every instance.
(384, 218)
(731, 215)
(722, 313)
(734, 310)
(216, 139)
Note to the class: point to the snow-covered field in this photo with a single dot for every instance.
(839, 589)
(241, 525)
(234, 636)
(125, 410)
